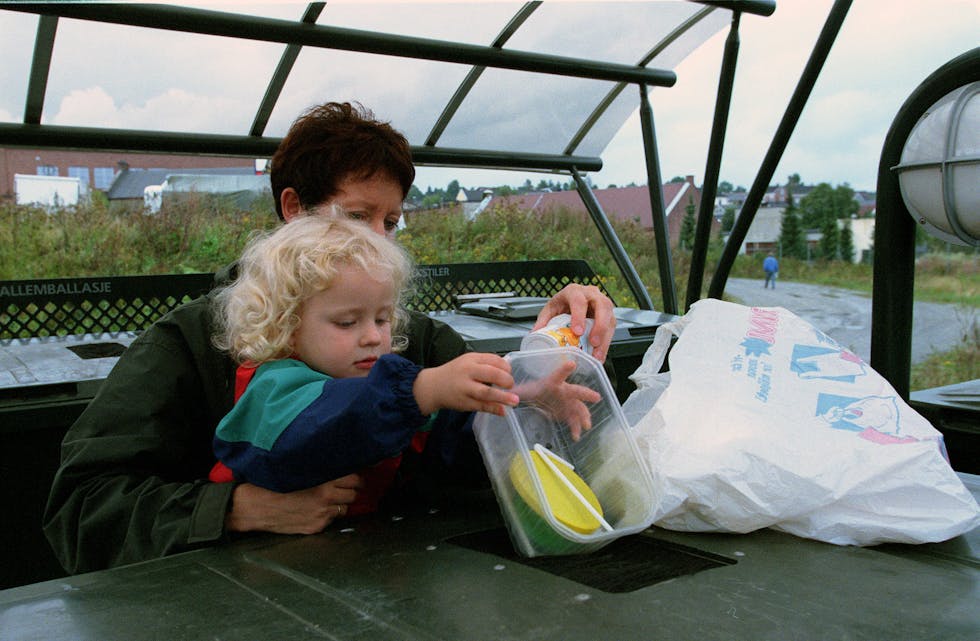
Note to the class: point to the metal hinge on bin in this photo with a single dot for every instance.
(502, 305)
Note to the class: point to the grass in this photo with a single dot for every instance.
(956, 365)
(202, 234)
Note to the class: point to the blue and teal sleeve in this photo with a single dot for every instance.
(294, 428)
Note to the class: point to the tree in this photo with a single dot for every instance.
(846, 244)
(825, 202)
(414, 194)
(686, 240)
(728, 218)
(677, 179)
(869, 257)
(452, 190)
(725, 187)
(829, 239)
(792, 238)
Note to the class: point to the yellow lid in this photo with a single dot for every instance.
(565, 506)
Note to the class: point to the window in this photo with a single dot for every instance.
(47, 170)
(79, 172)
(103, 177)
(82, 173)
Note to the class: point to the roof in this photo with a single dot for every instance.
(512, 85)
(620, 203)
(472, 195)
(130, 182)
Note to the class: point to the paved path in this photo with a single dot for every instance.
(845, 316)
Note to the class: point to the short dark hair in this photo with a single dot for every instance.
(332, 142)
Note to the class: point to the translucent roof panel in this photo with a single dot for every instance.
(515, 111)
(206, 71)
(17, 31)
(155, 79)
(619, 32)
(409, 93)
(476, 23)
(519, 111)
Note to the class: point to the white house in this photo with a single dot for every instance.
(48, 191)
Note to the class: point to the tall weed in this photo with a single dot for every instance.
(203, 233)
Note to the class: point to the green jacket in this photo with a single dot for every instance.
(133, 479)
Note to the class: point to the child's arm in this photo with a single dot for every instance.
(295, 428)
(474, 382)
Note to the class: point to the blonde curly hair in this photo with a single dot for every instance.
(258, 313)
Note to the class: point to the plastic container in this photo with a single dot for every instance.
(543, 516)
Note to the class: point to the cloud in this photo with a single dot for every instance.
(94, 107)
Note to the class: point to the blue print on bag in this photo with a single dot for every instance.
(834, 364)
(875, 418)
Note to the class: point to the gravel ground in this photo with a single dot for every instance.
(845, 316)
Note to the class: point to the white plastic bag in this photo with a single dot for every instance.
(767, 422)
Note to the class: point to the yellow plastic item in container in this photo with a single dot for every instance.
(567, 508)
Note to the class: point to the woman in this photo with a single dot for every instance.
(133, 482)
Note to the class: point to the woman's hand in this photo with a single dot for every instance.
(303, 512)
(581, 302)
(473, 382)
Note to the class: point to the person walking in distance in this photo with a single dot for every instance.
(771, 267)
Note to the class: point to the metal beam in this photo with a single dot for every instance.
(217, 23)
(132, 140)
(716, 144)
(40, 67)
(657, 207)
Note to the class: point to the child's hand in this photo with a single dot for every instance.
(563, 400)
(473, 382)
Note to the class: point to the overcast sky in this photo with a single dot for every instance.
(885, 49)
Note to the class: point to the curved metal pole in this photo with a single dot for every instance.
(792, 115)
(894, 239)
(702, 233)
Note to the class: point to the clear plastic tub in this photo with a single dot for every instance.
(544, 515)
